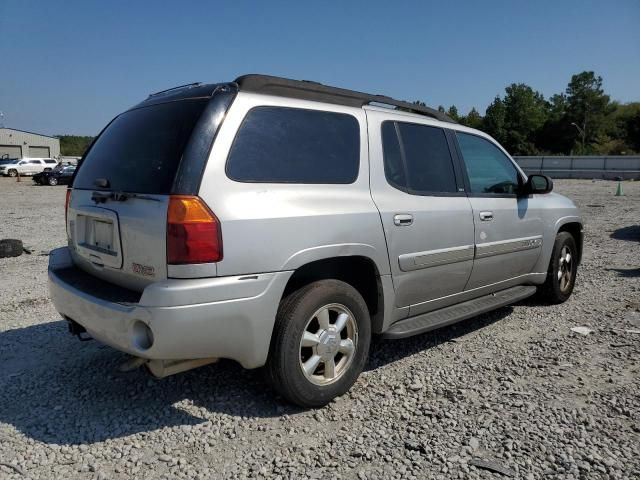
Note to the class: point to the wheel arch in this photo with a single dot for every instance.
(575, 227)
(361, 272)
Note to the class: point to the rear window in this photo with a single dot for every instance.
(141, 149)
(292, 145)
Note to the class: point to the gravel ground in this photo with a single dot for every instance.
(516, 387)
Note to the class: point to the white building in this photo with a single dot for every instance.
(20, 144)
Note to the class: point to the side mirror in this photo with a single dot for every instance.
(538, 184)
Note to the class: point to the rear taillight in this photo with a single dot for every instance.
(193, 232)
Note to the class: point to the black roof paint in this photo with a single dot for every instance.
(308, 90)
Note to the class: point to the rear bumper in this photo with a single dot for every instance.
(226, 317)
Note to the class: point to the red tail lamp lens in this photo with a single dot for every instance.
(193, 232)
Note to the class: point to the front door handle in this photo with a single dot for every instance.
(486, 216)
(402, 220)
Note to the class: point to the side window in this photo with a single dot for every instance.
(35, 162)
(489, 170)
(292, 145)
(417, 158)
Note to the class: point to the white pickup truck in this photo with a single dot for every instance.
(27, 166)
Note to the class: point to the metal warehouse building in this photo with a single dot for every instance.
(19, 144)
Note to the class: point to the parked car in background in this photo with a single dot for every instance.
(60, 175)
(281, 223)
(27, 166)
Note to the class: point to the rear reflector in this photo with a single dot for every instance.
(193, 232)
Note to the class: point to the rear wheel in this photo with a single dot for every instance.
(320, 343)
(53, 181)
(563, 268)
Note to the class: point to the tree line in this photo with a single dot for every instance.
(74, 145)
(581, 121)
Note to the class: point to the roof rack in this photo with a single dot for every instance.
(186, 85)
(308, 90)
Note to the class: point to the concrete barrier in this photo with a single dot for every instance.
(608, 167)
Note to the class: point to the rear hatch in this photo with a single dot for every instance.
(117, 214)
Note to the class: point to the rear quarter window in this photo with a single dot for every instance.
(292, 145)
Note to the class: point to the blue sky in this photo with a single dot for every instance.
(69, 67)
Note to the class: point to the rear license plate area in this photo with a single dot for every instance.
(97, 238)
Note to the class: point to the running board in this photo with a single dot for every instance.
(455, 313)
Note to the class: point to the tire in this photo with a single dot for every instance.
(304, 311)
(11, 248)
(561, 276)
(13, 173)
(53, 181)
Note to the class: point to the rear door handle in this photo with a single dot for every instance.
(486, 216)
(402, 220)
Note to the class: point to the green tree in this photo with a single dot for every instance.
(621, 130)
(473, 119)
(557, 135)
(453, 113)
(588, 108)
(494, 120)
(74, 145)
(525, 112)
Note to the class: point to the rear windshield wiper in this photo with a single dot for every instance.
(101, 197)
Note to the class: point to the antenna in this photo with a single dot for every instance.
(1, 120)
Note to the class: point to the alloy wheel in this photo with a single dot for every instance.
(565, 268)
(328, 344)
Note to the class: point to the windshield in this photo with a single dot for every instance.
(140, 151)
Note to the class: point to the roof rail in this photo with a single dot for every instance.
(186, 85)
(308, 90)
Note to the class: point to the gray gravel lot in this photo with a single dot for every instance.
(516, 387)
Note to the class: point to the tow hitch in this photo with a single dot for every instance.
(78, 330)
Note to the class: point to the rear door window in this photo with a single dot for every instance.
(292, 145)
(140, 151)
(417, 158)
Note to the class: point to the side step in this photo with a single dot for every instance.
(455, 313)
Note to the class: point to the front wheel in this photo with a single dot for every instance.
(13, 173)
(563, 268)
(53, 181)
(320, 343)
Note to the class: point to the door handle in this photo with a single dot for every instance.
(486, 216)
(403, 220)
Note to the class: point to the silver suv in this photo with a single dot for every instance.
(282, 223)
